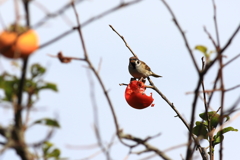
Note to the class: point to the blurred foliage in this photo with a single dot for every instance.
(48, 122)
(33, 85)
(205, 128)
(205, 52)
(50, 152)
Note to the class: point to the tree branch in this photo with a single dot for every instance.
(123, 41)
(182, 33)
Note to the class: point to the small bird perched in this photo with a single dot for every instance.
(139, 69)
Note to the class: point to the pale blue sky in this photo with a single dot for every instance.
(149, 30)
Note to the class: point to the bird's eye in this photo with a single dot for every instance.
(138, 62)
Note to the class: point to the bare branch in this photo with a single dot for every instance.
(234, 58)
(96, 128)
(119, 133)
(124, 84)
(202, 152)
(98, 78)
(232, 109)
(18, 133)
(189, 150)
(206, 113)
(122, 5)
(210, 91)
(148, 157)
(182, 33)
(217, 76)
(216, 25)
(57, 38)
(64, 59)
(145, 144)
(210, 37)
(155, 88)
(230, 39)
(123, 41)
(53, 15)
(46, 138)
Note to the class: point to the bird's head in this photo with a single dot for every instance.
(134, 61)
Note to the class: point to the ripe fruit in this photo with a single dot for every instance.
(136, 97)
(18, 44)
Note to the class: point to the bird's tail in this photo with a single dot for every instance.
(155, 75)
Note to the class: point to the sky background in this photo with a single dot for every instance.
(150, 32)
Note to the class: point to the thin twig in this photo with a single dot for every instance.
(182, 33)
(217, 78)
(17, 15)
(96, 119)
(116, 8)
(233, 108)
(104, 150)
(123, 41)
(99, 65)
(230, 39)
(176, 111)
(124, 84)
(65, 59)
(210, 37)
(18, 133)
(57, 38)
(46, 138)
(215, 24)
(202, 152)
(210, 91)
(189, 150)
(146, 145)
(234, 58)
(206, 113)
(119, 133)
(98, 77)
(53, 15)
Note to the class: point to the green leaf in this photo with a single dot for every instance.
(200, 123)
(9, 84)
(200, 130)
(227, 117)
(49, 151)
(202, 49)
(47, 85)
(54, 154)
(217, 138)
(210, 114)
(37, 70)
(46, 146)
(48, 122)
(213, 117)
(225, 130)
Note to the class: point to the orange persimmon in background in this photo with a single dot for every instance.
(18, 42)
(136, 97)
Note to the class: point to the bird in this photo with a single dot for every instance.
(139, 69)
